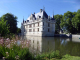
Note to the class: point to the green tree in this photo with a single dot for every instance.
(11, 20)
(78, 11)
(66, 22)
(58, 19)
(0, 18)
(76, 22)
(3, 28)
(18, 30)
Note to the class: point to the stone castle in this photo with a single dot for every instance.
(39, 24)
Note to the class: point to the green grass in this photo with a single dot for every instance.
(68, 57)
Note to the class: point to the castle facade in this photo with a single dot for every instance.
(39, 24)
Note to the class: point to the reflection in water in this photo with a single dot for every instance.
(40, 45)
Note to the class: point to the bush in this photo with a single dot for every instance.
(3, 28)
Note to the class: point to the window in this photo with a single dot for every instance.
(30, 30)
(38, 24)
(30, 26)
(33, 25)
(48, 24)
(48, 30)
(33, 30)
(38, 29)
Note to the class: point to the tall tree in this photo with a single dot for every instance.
(66, 23)
(11, 20)
(58, 19)
(76, 22)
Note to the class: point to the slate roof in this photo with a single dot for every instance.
(40, 14)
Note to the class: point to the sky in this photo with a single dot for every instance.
(24, 8)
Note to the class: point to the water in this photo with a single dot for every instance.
(41, 45)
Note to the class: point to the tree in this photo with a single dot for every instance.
(58, 19)
(11, 20)
(78, 11)
(66, 23)
(18, 30)
(0, 18)
(3, 28)
(76, 22)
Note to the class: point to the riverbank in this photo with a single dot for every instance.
(17, 53)
(67, 35)
(14, 50)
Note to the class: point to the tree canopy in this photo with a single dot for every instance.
(11, 20)
(69, 22)
(58, 19)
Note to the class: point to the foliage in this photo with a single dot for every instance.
(44, 56)
(76, 22)
(78, 11)
(15, 53)
(66, 22)
(12, 51)
(58, 19)
(68, 57)
(3, 28)
(11, 20)
(71, 22)
(18, 53)
(18, 30)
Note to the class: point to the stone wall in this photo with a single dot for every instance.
(76, 36)
(43, 29)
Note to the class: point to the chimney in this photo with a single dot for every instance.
(40, 10)
(34, 13)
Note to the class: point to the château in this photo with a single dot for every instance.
(39, 24)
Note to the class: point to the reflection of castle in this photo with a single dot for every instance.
(41, 44)
(39, 24)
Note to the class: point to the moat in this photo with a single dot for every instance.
(39, 45)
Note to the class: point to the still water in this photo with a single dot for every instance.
(41, 45)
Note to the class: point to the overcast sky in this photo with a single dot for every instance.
(24, 8)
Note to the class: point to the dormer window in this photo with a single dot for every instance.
(27, 20)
